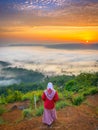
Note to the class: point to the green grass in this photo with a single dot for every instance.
(39, 111)
(68, 94)
(62, 104)
(96, 110)
(71, 92)
(78, 99)
(27, 113)
(1, 121)
(31, 94)
(2, 109)
(90, 91)
(3, 100)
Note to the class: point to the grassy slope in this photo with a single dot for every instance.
(83, 117)
(73, 92)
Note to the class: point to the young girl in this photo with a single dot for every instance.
(50, 96)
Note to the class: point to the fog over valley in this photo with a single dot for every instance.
(46, 59)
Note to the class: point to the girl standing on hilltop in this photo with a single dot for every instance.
(50, 96)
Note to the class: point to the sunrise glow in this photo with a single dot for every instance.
(49, 21)
(53, 33)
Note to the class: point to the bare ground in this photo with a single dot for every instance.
(83, 117)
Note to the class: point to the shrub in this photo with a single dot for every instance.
(71, 85)
(30, 95)
(27, 113)
(3, 100)
(87, 79)
(13, 96)
(60, 95)
(38, 94)
(1, 121)
(68, 94)
(39, 111)
(77, 100)
(2, 109)
(90, 91)
(61, 104)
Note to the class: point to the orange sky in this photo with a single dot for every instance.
(49, 21)
(86, 34)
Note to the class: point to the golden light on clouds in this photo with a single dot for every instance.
(49, 20)
(53, 33)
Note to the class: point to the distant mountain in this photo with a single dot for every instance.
(3, 63)
(73, 46)
(14, 75)
(70, 46)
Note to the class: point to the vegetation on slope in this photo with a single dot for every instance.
(72, 90)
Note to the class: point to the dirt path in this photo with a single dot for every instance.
(83, 117)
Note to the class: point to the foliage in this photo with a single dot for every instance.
(90, 91)
(77, 100)
(3, 99)
(68, 94)
(60, 95)
(71, 86)
(24, 75)
(27, 113)
(1, 121)
(61, 104)
(27, 95)
(13, 96)
(83, 80)
(23, 87)
(87, 79)
(32, 85)
(73, 89)
(3, 63)
(2, 109)
(39, 111)
(31, 94)
(58, 80)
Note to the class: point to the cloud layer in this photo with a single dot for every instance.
(49, 12)
(28, 20)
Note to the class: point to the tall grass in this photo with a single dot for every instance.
(90, 91)
(68, 94)
(3, 100)
(2, 109)
(31, 95)
(39, 111)
(1, 121)
(27, 113)
(78, 99)
(62, 104)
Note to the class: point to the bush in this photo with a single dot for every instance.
(31, 94)
(13, 96)
(72, 86)
(61, 104)
(1, 121)
(2, 109)
(27, 113)
(68, 94)
(90, 91)
(39, 111)
(77, 100)
(60, 95)
(3, 100)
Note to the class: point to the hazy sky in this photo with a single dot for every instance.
(49, 20)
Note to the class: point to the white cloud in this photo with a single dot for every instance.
(54, 12)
